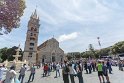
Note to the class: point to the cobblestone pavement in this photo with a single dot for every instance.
(116, 77)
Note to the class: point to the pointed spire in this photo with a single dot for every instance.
(35, 14)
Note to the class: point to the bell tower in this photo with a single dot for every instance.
(30, 49)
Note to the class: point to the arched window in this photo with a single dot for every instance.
(35, 29)
(32, 28)
(34, 35)
(31, 34)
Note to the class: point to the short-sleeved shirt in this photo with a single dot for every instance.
(100, 67)
(32, 69)
(22, 70)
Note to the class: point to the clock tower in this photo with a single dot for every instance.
(30, 49)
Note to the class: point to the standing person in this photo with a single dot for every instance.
(100, 71)
(119, 65)
(89, 66)
(2, 69)
(93, 66)
(79, 73)
(65, 71)
(105, 72)
(33, 70)
(109, 66)
(57, 70)
(72, 73)
(49, 69)
(10, 75)
(85, 67)
(22, 73)
(45, 70)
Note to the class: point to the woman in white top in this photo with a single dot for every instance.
(10, 75)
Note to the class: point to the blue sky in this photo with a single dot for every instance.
(75, 23)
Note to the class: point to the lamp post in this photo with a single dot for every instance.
(98, 38)
(99, 42)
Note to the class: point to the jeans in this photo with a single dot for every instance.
(31, 75)
(65, 78)
(80, 78)
(72, 78)
(57, 71)
(89, 68)
(110, 69)
(21, 77)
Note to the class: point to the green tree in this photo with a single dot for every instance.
(7, 53)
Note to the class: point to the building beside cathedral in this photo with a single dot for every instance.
(49, 51)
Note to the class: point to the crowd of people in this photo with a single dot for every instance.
(70, 71)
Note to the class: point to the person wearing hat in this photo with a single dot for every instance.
(2, 69)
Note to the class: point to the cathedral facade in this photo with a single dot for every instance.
(49, 51)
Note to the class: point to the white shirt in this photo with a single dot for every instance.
(57, 67)
(10, 75)
(1, 71)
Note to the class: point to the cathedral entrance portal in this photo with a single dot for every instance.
(43, 59)
(53, 59)
(61, 59)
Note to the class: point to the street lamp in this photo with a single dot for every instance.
(99, 45)
(99, 42)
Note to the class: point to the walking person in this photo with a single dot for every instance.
(2, 69)
(10, 75)
(85, 67)
(33, 70)
(49, 69)
(72, 72)
(89, 66)
(105, 72)
(22, 73)
(45, 70)
(100, 71)
(93, 66)
(65, 71)
(109, 66)
(79, 73)
(57, 70)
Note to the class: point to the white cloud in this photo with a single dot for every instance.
(68, 36)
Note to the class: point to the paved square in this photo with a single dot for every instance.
(116, 77)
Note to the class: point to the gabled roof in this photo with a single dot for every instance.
(45, 43)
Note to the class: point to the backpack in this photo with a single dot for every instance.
(66, 69)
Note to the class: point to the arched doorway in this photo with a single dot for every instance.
(53, 58)
(61, 59)
(43, 59)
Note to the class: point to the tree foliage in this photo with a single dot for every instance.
(7, 53)
(117, 48)
(10, 13)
